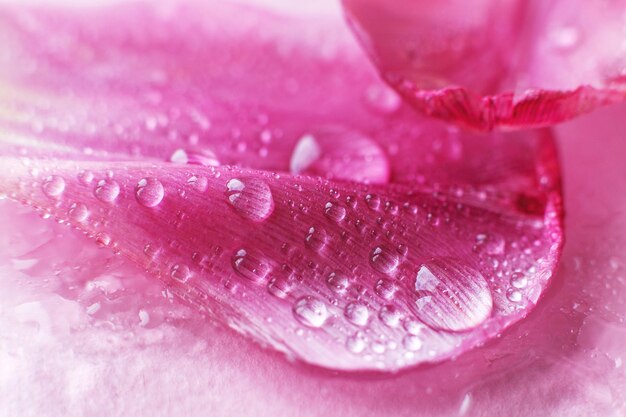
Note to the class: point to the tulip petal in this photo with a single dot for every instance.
(172, 144)
(507, 64)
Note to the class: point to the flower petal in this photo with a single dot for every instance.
(497, 63)
(143, 138)
(341, 276)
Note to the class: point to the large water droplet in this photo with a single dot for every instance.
(78, 212)
(451, 295)
(202, 157)
(385, 288)
(149, 192)
(251, 198)
(311, 311)
(357, 314)
(250, 265)
(384, 260)
(338, 153)
(53, 186)
(107, 190)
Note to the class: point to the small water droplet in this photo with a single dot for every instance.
(451, 295)
(564, 37)
(85, 177)
(107, 190)
(385, 288)
(373, 201)
(519, 280)
(202, 157)
(180, 273)
(412, 342)
(279, 287)
(356, 343)
(250, 265)
(53, 186)
(311, 311)
(384, 260)
(337, 282)
(78, 212)
(251, 198)
(357, 314)
(334, 212)
(514, 295)
(199, 183)
(103, 239)
(316, 238)
(149, 192)
(390, 315)
(382, 98)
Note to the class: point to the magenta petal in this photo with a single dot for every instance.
(497, 63)
(349, 277)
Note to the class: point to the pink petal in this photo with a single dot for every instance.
(326, 272)
(498, 63)
(265, 254)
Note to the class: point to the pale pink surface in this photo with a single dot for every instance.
(509, 64)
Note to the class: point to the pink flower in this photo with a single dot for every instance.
(254, 163)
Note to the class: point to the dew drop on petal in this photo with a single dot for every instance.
(334, 212)
(519, 280)
(390, 315)
(384, 260)
(149, 192)
(337, 282)
(202, 157)
(78, 212)
(356, 343)
(180, 273)
(53, 186)
(357, 314)
(451, 295)
(107, 190)
(250, 265)
(412, 342)
(251, 198)
(311, 311)
(316, 238)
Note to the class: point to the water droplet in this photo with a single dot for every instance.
(334, 212)
(311, 311)
(412, 342)
(390, 315)
(519, 280)
(107, 190)
(385, 288)
(102, 239)
(357, 314)
(356, 343)
(53, 186)
(384, 260)
(199, 183)
(180, 273)
(251, 198)
(78, 212)
(337, 282)
(202, 157)
(250, 265)
(85, 177)
(564, 37)
(373, 201)
(149, 192)
(514, 295)
(451, 295)
(316, 238)
(279, 287)
(338, 153)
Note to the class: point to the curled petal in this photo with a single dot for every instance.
(502, 64)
